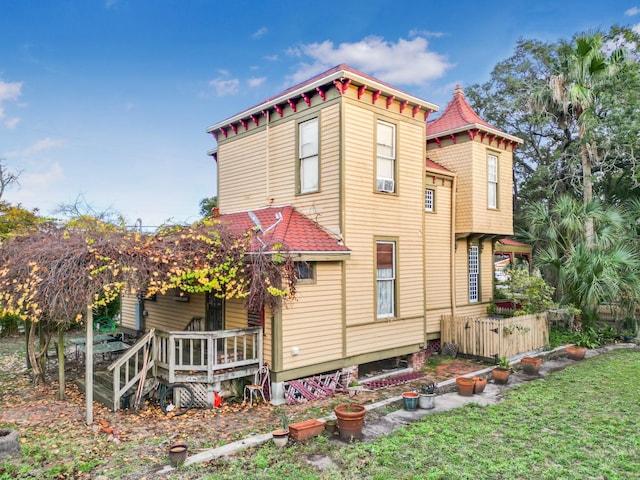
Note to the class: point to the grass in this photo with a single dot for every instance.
(578, 423)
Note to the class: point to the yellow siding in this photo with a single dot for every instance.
(313, 323)
(486, 271)
(370, 216)
(128, 304)
(235, 315)
(241, 168)
(469, 160)
(167, 314)
(259, 169)
(462, 273)
(438, 247)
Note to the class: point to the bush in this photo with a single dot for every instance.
(9, 325)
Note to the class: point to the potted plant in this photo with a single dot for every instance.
(427, 398)
(502, 371)
(531, 365)
(350, 420)
(583, 340)
(479, 384)
(281, 435)
(465, 386)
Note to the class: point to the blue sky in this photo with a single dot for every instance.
(110, 99)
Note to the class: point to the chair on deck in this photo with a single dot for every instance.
(261, 382)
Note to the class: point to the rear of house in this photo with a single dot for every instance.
(392, 219)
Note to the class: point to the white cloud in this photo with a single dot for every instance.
(30, 181)
(10, 91)
(425, 33)
(11, 123)
(37, 147)
(256, 82)
(632, 12)
(225, 86)
(260, 32)
(272, 58)
(406, 62)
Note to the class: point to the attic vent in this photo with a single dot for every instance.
(385, 185)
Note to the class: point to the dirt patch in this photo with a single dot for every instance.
(116, 440)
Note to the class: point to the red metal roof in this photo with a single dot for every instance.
(436, 166)
(297, 232)
(510, 241)
(457, 116)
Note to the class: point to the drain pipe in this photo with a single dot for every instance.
(452, 275)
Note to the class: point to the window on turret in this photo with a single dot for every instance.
(309, 170)
(386, 157)
(492, 179)
(429, 199)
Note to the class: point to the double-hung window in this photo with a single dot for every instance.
(492, 180)
(308, 156)
(474, 273)
(386, 157)
(386, 278)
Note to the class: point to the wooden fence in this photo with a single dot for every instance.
(494, 337)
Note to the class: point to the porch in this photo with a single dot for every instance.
(201, 359)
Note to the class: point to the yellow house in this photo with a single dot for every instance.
(393, 218)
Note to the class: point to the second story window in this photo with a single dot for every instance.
(386, 157)
(492, 179)
(308, 156)
(429, 199)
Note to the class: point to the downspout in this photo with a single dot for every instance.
(452, 276)
(267, 115)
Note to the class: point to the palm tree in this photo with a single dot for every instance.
(572, 95)
(585, 274)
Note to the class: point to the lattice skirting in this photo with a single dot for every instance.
(202, 395)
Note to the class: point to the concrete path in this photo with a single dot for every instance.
(554, 360)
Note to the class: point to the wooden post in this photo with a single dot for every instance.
(88, 366)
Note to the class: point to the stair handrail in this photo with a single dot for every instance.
(116, 365)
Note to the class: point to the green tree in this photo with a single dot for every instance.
(586, 275)
(575, 90)
(207, 205)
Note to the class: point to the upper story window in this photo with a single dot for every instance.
(429, 200)
(386, 278)
(386, 157)
(492, 181)
(308, 156)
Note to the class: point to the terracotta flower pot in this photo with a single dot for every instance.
(479, 385)
(465, 386)
(501, 375)
(350, 420)
(531, 365)
(575, 353)
(280, 438)
(410, 400)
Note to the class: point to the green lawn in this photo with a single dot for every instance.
(580, 423)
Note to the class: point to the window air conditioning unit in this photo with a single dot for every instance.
(385, 185)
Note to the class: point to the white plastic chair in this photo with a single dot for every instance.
(261, 382)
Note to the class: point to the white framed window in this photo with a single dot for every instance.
(386, 278)
(492, 181)
(474, 273)
(429, 199)
(386, 157)
(308, 156)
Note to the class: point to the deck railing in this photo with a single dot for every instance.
(127, 369)
(208, 356)
(494, 337)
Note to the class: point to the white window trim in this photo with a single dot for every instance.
(429, 203)
(474, 274)
(492, 181)
(309, 158)
(386, 279)
(385, 183)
